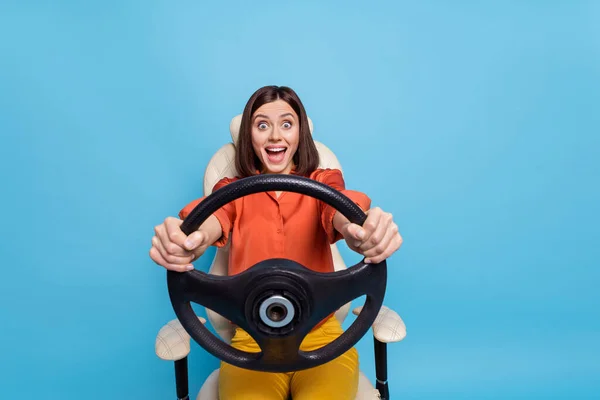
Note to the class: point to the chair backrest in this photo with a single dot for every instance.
(222, 164)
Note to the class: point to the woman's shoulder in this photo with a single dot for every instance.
(225, 181)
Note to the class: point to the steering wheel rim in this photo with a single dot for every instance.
(235, 297)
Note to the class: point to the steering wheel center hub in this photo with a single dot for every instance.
(276, 311)
(279, 301)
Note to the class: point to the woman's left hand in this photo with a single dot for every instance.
(377, 239)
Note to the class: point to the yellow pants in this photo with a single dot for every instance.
(337, 379)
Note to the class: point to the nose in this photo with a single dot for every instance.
(275, 134)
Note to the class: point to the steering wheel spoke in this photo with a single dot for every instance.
(331, 291)
(278, 351)
(220, 294)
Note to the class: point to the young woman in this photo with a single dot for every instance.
(275, 138)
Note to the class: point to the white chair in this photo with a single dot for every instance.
(173, 342)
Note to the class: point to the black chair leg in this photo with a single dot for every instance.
(381, 369)
(181, 379)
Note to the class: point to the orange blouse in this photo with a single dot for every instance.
(292, 226)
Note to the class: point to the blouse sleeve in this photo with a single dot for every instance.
(334, 178)
(225, 215)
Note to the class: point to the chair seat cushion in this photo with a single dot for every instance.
(210, 388)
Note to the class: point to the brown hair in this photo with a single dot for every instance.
(306, 159)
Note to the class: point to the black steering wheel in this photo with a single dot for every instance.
(277, 301)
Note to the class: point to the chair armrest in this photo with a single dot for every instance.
(172, 341)
(388, 326)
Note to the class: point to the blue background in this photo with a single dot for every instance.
(475, 123)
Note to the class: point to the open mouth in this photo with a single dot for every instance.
(276, 154)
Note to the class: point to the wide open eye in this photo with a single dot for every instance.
(262, 125)
(287, 125)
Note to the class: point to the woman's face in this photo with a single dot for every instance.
(275, 136)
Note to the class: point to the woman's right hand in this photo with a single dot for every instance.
(175, 251)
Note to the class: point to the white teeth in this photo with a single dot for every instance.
(276, 150)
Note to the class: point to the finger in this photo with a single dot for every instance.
(371, 223)
(380, 233)
(384, 256)
(170, 257)
(382, 245)
(195, 239)
(353, 245)
(392, 247)
(158, 259)
(355, 232)
(169, 246)
(378, 249)
(174, 232)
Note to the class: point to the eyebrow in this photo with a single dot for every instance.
(281, 116)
